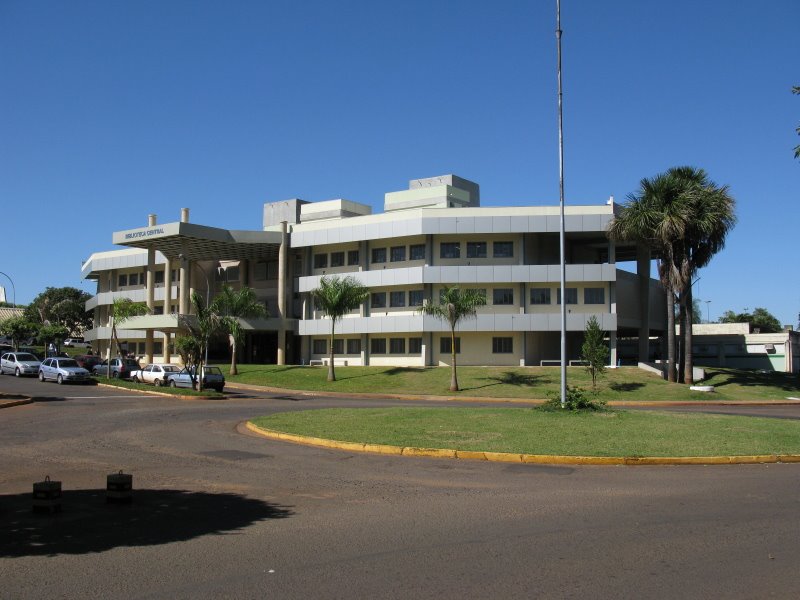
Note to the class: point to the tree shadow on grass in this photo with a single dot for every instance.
(508, 378)
(87, 524)
(722, 377)
(626, 387)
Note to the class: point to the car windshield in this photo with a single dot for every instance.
(171, 369)
(132, 362)
(213, 371)
(67, 363)
(27, 357)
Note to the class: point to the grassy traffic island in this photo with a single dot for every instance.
(178, 392)
(532, 431)
(629, 384)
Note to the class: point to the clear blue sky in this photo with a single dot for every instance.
(113, 110)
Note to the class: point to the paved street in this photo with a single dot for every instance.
(219, 513)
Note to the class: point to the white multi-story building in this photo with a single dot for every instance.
(434, 234)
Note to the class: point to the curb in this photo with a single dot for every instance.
(507, 457)
(489, 399)
(157, 393)
(15, 402)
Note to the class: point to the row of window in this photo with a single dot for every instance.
(500, 297)
(229, 274)
(415, 252)
(500, 345)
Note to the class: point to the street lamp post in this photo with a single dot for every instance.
(13, 289)
(708, 311)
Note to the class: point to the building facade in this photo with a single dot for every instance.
(432, 235)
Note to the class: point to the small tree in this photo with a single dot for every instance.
(232, 306)
(337, 296)
(202, 325)
(190, 352)
(594, 350)
(454, 305)
(18, 329)
(121, 310)
(52, 333)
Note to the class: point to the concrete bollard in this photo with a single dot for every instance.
(119, 488)
(47, 496)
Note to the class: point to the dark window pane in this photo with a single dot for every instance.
(397, 299)
(476, 249)
(503, 249)
(337, 259)
(415, 345)
(379, 255)
(416, 297)
(450, 250)
(417, 252)
(352, 257)
(504, 296)
(377, 346)
(594, 296)
(378, 300)
(502, 345)
(398, 253)
(397, 346)
(540, 295)
(320, 261)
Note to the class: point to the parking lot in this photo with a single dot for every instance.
(219, 513)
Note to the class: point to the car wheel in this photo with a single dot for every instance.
(41, 376)
(135, 379)
(17, 373)
(157, 383)
(172, 383)
(60, 380)
(115, 375)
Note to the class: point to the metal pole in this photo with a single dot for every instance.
(708, 311)
(561, 214)
(13, 289)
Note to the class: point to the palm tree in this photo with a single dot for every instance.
(337, 296)
(655, 217)
(454, 305)
(121, 310)
(202, 325)
(233, 306)
(711, 211)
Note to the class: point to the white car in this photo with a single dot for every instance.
(63, 370)
(76, 343)
(19, 364)
(155, 373)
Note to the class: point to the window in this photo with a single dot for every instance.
(503, 296)
(338, 346)
(158, 347)
(397, 299)
(354, 346)
(378, 300)
(337, 259)
(415, 345)
(594, 295)
(417, 251)
(122, 281)
(416, 297)
(159, 277)
(320, 261)
(502, 345)
(232, 273)
(503, 249)
(398, 253)
(133, 279)
(540, 295)
(397, 345)
(445, 346)
(260, 271)
(320, 346)
(379, 255)
(272, 269)
(476, 249)
(352, 257)
(158, 309)
(450, 250)
(377, 346)
(572, 295)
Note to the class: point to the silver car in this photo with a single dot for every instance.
(63, 370)
(19, 364)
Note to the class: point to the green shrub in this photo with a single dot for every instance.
(577, 399)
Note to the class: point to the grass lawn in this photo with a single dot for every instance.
(130, 385)
(537, 383)
(533, 431)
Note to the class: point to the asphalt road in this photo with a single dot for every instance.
(218, 513)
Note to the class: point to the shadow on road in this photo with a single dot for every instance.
(87, 524)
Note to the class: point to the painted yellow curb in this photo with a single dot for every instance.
(510, 457)
(15, 402)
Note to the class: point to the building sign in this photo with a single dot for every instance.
(144, 233)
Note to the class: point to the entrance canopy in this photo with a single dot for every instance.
(199, 242)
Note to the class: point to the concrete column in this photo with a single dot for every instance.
(151, 284)
(612, 347)
(643, 271)
(282, 258)
(365, 349)
(168, 287)
(167, 355)
(363, 255)
(183, 287)
(429, 250)
(184, 215)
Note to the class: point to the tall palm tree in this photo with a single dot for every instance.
(655, 217)
(232, 306)
(121, 310)
(337, 296)
(202, 325)
(711, 216)
(454, 305)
